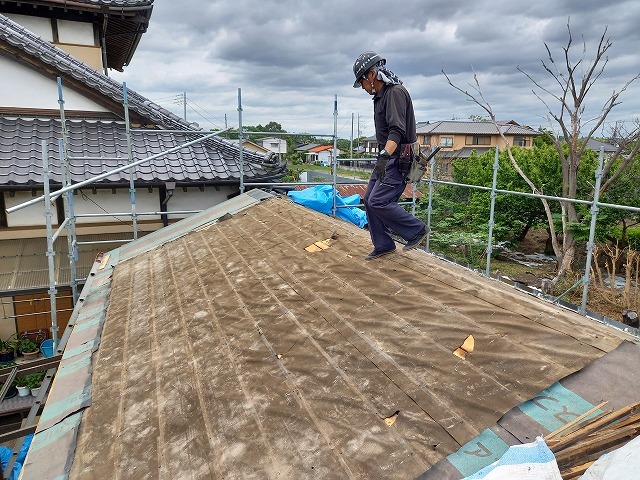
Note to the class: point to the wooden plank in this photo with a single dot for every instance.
(575, 421)
(576, 471)
(599, 442)
(593, 426)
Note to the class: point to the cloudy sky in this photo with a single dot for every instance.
(290, 57)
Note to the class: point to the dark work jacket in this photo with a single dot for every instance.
(393, 115)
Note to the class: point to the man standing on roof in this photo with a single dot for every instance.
(395, 125)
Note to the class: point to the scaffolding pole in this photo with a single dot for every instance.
(432, 167)
(50, 252)
(132, 188)
(592, 233)
(72, 253)
(240, 145)
(70, 219)
(494, 185)
(335, 153)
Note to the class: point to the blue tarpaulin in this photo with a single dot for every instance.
(5, 456)
(320, 198)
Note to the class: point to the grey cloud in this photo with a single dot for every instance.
(291, 58)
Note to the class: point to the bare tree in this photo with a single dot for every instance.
(572, 83)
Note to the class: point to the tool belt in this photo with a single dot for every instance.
(420, 162)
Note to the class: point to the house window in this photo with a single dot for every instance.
(520, 141)
(426, 140)
(446, 141)
(478, 140)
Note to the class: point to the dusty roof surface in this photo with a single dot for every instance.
(230, 351)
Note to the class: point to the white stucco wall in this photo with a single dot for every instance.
(276, 145)
(103, 201)
(24, 88)
(37, 25)
(32, 215)
(75, 32)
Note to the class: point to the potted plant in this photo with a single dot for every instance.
(33, 381)
(22, 383)
(28, 348)
(7, 351)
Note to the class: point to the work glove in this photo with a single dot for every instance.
(381, 165)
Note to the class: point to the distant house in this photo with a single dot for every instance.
(322, 154)
(275, 145)
(457, 139)
(305, 147)
(595, 145)
(254, 146)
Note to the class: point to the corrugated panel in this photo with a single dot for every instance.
(24, 264)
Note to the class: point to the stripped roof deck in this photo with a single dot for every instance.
(224, 349)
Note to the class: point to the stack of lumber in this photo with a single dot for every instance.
(578, 444)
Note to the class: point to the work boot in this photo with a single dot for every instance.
(379, 253)
(417, 240)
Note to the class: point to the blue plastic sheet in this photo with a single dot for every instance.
(320, 198)
(5, 456)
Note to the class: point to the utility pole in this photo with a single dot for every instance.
(351, 144)
(184, 103)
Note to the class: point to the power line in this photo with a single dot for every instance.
(210, 115)
(204, 118)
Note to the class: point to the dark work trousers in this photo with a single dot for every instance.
(383, 212)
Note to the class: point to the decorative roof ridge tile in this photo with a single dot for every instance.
(117, 3)
(101, 3)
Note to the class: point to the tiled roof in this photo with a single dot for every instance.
(21, 157)
(320, 148)
(473, 128)
(120, 22)
(594, 144)
(306, 147)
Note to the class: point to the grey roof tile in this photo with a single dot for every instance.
(21, 164)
